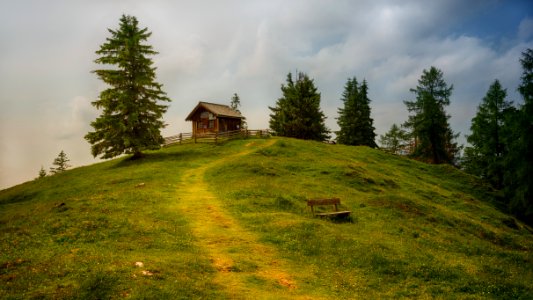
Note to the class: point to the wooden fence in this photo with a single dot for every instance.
(215, 137)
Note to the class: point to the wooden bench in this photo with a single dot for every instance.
(332, 201)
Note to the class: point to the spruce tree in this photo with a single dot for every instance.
(518, 178)
(485, 157)
(433, 137)
(395, 140)
(61, 163)
(235, 104)
(42, 173)
(132, 116)
(348, 114)
(297, 113)
(355, 123)
(366, 123)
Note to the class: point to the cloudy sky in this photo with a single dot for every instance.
(209, 50)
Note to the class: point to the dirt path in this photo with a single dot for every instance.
(246, 268)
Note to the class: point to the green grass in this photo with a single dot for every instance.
(416, 230)
(79, 234)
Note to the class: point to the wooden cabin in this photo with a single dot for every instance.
(211, 117)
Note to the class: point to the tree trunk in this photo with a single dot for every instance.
(137, 155)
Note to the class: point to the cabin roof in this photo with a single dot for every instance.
(219, 110)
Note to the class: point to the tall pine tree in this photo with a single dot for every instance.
(132, 116)
(485, 157)
(434, 139)
(518, 178)
(356, 125)
(297, 114)
(235, 104)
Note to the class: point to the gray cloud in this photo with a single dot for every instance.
(209, 50)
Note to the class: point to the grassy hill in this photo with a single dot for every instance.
(204, 221)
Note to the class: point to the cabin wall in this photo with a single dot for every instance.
(229, 124)
(203, 121)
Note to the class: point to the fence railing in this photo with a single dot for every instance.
(215, 137)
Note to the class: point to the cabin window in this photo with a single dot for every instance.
(207, 115)
(211, 124)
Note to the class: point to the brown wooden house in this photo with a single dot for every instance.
(210, 118)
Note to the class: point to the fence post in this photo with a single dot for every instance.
(216, 137)
(194, 135)
(180, 138)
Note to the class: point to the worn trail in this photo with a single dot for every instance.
(245, 267)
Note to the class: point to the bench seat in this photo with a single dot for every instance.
(344, 213)
(330, 201)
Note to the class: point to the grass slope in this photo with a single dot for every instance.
(230, 222)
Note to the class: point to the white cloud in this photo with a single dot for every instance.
(81, 113)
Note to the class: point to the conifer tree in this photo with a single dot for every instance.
(297, 113)
(235, 104)
(42, 173)
(518, 178)
(348, 114)
(433, 137)
(132, 115)
(356, 125)
(61, 161)
(485, 157)
(395, 140)
(367, 123)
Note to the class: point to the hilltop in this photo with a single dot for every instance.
(230, 221)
